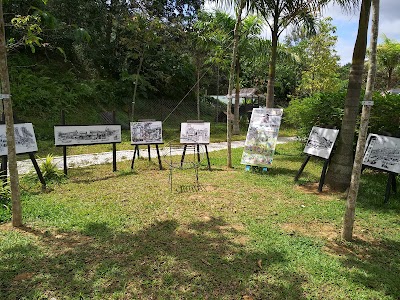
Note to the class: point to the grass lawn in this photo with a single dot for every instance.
(244, 235)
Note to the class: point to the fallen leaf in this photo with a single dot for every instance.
(259, 263)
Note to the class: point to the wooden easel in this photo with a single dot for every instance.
(114, 146)
(323, 173)
(3, 170)
(197, 148)
(136, 150)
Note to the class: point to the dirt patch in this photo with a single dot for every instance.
(312, 188)
(314, 229)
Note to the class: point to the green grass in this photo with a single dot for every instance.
(124, 235)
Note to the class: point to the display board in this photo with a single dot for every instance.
(262, 136)
(146, 132)
(320, 142)
(25, 140)
(383, 152)
(195, 133)
(72, 135)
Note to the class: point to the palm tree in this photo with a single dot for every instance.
(339, 172)
(278, 15)
(348, 223)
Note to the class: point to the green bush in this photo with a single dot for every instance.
(326, 110)
(5, 203)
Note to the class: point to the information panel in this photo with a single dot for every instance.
(383, 152)
(262, 136)
(146, 132)
(320, 142)
(25, 140)
(71, 135)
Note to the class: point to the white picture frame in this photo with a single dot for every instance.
(146, 132)
(74, 135)
(262, 136)
(195, 133)
(320, 142)
(25, 139)
(383, 152)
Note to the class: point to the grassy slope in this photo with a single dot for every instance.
(261, 236)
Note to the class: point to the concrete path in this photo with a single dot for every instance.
(84, 160)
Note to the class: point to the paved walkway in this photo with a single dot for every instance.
(84, 160)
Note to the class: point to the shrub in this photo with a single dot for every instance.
(5, 203)
(326, 110)
(323, 109)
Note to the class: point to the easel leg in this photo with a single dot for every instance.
(158, 155)
(3, 171)
(198, 153)
(134, 155)
(208, 159)
(394, 185)
(65, 160)
(183, 155)
(114, 157)
(148, 151)
(38, 171)
(388, 188)
(302, 168)
(322, 179)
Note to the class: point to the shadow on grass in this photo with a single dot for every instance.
(203, 260)
(371, 265)
(372, 191)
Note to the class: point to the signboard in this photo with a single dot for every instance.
(25, 140)
(71, 135)
(320, 142)
(383, 152)
(195, 133)
(146, 132)
(262, 136)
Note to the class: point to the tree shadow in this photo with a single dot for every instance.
(371, 265)
(203, 260)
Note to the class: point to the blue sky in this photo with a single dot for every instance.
(347, 24)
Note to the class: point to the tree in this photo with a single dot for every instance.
(279, 15)
(389, 58)
(339, 171)
(321, 73)
(348, 223)
(8, 112)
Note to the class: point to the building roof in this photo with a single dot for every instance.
(248, 93)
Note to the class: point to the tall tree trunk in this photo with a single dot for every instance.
(12, 158)
(136, 85)
(236, 120)
(229, 116)
(272, 69)
(339, 172)
(348, 223)
(198, 90)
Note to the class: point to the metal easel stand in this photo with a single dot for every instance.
(323, 173)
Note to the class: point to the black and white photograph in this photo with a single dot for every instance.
(25, 140)
(70, 135)
(195, 133)
(321, 141)
(148, 132)
(383, 152)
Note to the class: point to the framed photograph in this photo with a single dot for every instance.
(195, 133)
(320, 142)
(262, 136)
(73, 135)
(383, 152)
(148, 132)
(25, 140)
